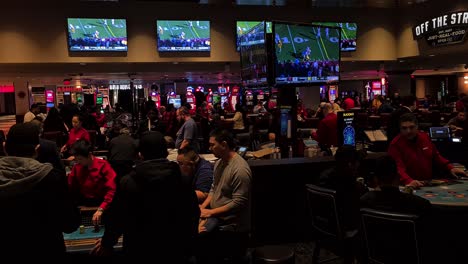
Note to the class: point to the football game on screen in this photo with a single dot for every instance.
(245, 26)
(97, 34)
(253, 56)
(348, 34)
(183, 35)
(306, 54)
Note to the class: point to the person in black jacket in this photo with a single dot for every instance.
(156, 213)
(34, 201)
(408, 105)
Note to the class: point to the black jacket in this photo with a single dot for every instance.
(35, 208)
(48, 154)
(155, 212)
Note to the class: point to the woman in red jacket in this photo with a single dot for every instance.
(91, 180)
(76, 133)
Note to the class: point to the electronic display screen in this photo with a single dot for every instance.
(253, 53)
(304, 54)
(97, 34)
(348, 34)
(183, 35)
(245, 26)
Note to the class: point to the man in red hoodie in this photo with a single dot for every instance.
(415, 154)
(327, 134)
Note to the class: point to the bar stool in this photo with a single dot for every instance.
(274, 255)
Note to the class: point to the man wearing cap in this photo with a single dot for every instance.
(34, 200)
(156, 213)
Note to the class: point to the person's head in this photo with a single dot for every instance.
(221, 142)
(409, 101)
(170, 107)
(238, 108)
(152, 114)
(381, 99)
(23, 140)
(152, 146)
(169, 142)
(386, 173)
(408, 126)
(183, 113)
(77, 121)
(188, 159)
(348, 158)
(260, 103)
(162, 109)
(326, 108)
(38, 124)
(461, 116)
(271, 136)
(53, 114)
(337, 101)
(83, 152)
(35, 109)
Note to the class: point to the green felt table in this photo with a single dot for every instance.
(452, 193)
(77, 242)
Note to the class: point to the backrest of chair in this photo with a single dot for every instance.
(390, 237)
(323, 210)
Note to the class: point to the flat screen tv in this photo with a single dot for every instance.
(253, 54)
(183, 35)
(97, 34)
(348, 34)
(245, 26)
(305, 56)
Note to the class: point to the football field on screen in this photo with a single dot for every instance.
(192, 30)
(296, 39)
(87, 28)
(348, 30)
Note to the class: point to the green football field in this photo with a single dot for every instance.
(101, 28)
(296, 39)
(169, 29)
(245, 26)
(348, 30)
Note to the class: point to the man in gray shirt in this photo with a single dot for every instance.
(188, 133)
(228, 200)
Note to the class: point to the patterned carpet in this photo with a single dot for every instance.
(6, 122)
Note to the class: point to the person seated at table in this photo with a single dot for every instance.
(34, 200)
(237, 119)
(385, 107)
(457, 123)
(151, 123)
(154, 210)
(388, 197)
(415, 155)
(197, 171)
(76, 133)
(54, 122)
(48, 149)
(91, 180)
(326, 134)
(123, 152)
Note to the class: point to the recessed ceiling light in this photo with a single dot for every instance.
(466, 82)
(466, 77)
(402, 60)
(431, 55)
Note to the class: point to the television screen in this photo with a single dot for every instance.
(304, 55)
(348, 34)
(253, 55)
(183, 35)
(97, 34)
(177, 102)
(245, 26)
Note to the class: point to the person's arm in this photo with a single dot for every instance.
(240, 195)
(86, 136)
(207, 201)
(401, 167)
(189, 132)
(109, 185)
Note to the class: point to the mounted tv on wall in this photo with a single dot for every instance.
(253, 54)
(97, 34)
(305, 56)
(183, 35)
(348, 34)
(245, 26)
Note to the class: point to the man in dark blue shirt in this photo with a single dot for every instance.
(197, 171)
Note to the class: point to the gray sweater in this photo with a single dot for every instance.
(231, 187)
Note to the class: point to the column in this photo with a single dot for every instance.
(22, 98)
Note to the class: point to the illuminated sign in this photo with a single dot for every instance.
(443, 30)
(124, 86)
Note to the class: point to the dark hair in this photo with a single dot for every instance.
(81, 148)
(153, 145)
(346, 154)
(22, 140)
(386, 170)
(34, 106)
(184, 110)
(53, 117)
(408, 100)
(239, 108)
(80, 118)
(221, 135)
(409, 117)
(189, 152)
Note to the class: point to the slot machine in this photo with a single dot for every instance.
(377, 88)
(191, 100)
(223, 94)
(173, 98)
(234, 98)
(209, 97)
(50, 99)
(332, 93)
(249, 99)
(156, 98)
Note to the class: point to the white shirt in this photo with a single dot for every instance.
(28, 117)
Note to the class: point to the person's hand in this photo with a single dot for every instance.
(206, 213)
(97, 217)
(458, 173)
(201, 226)
(100, 250)
(63, 149)
(416, 184)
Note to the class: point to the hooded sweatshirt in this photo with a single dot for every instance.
(156, 213)
(35, 208)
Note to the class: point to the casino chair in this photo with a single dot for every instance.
(327, 223)
(391, 237)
